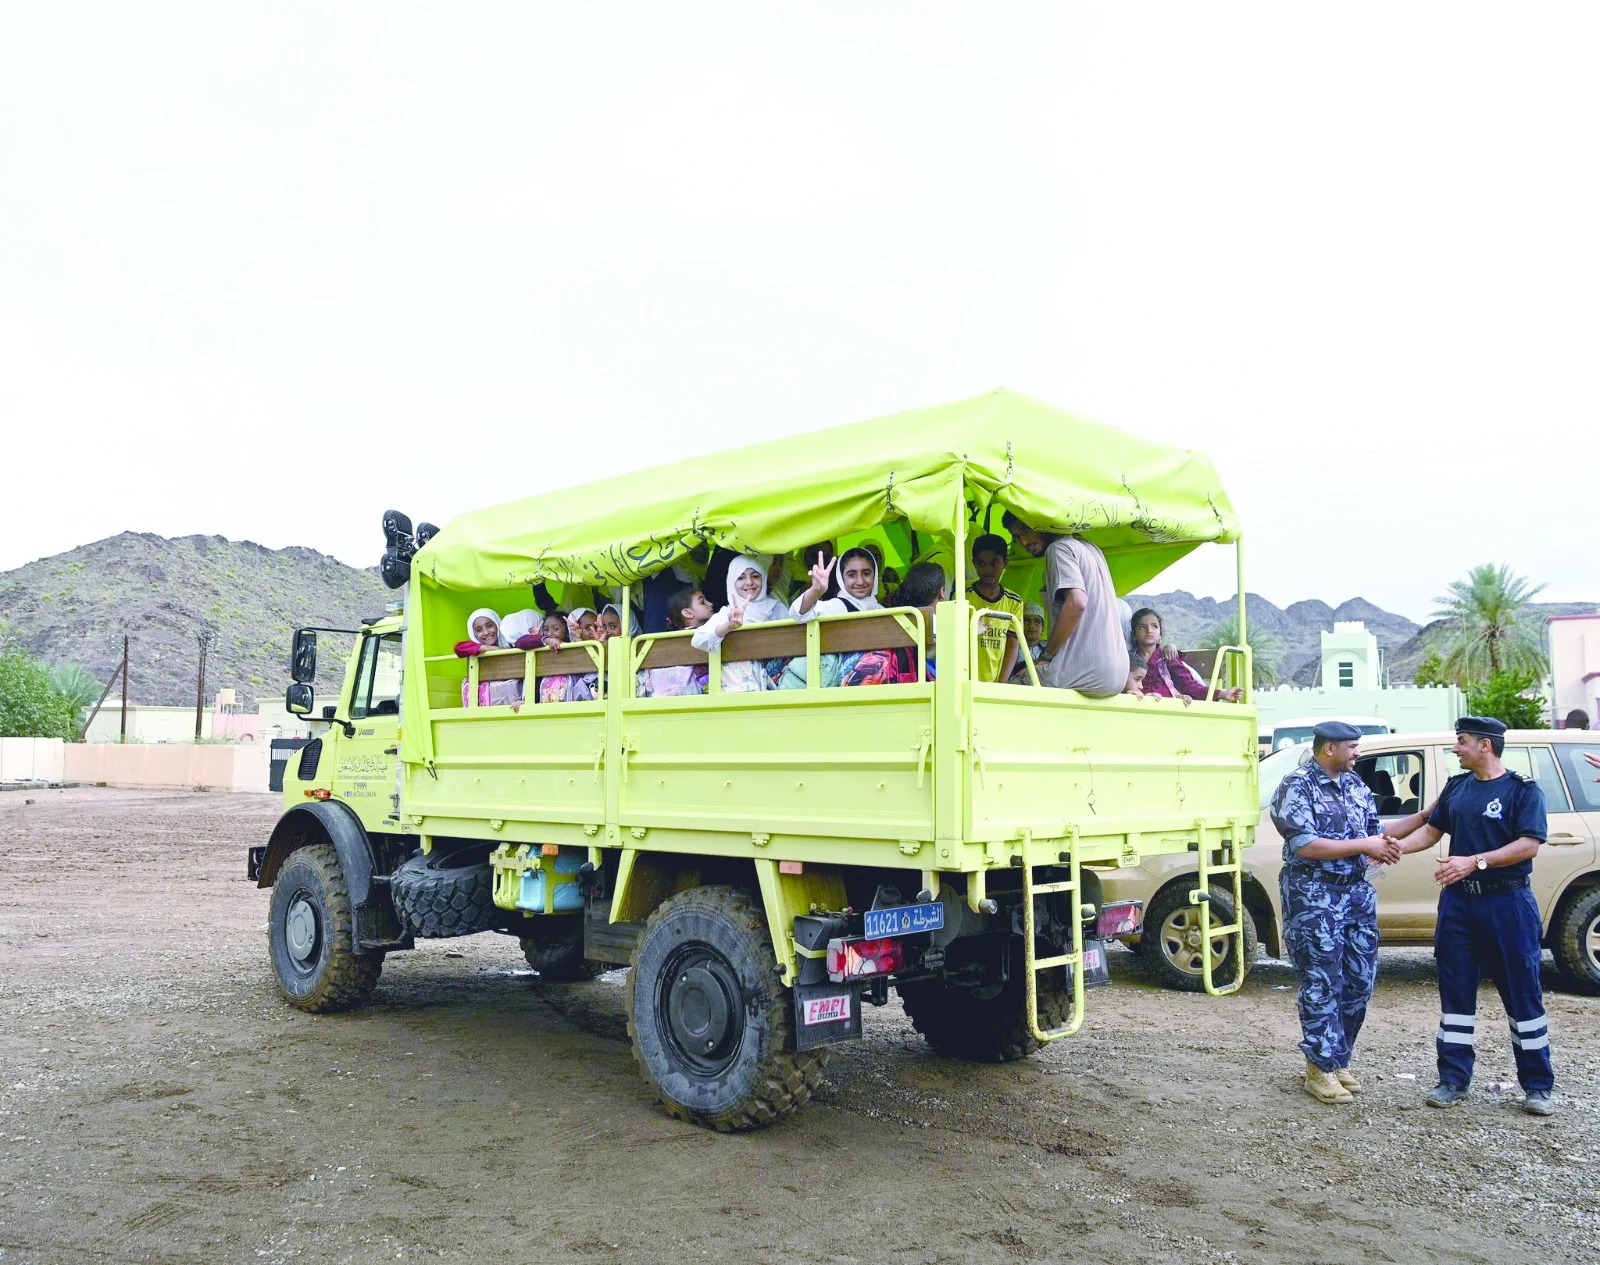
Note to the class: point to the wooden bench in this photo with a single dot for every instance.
(567, 661)
(785, 641)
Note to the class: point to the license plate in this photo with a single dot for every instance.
(902, 920)
(835, 1009)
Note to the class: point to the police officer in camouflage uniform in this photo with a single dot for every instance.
(1329, 823)
(1489, 921)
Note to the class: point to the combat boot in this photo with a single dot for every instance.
(1347, 1078)
(1324, 1086)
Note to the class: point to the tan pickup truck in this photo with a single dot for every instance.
(1405, 772)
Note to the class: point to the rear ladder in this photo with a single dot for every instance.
(1033, 964)
(1232, 865)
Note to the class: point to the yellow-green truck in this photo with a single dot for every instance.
(769, 862)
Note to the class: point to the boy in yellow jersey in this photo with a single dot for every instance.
(998, 642)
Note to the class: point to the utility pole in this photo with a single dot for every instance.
(204, 638)
(124, 737)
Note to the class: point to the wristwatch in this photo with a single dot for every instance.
(1483, 863)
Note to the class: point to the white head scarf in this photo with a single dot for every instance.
(763, 608)
(519, 624)
(574, 616)
(500, 634)
(847, 599)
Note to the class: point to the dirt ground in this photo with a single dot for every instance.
(158, 1103)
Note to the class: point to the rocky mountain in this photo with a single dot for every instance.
(1298, 627)
(75, 607)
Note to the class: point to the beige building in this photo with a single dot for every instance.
(147, 723)
(1574, 666)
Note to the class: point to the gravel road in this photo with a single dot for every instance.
(159, 1104)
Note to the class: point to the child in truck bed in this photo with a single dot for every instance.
(483, 633)
(571, 687)
(686, 608)
(748, 603)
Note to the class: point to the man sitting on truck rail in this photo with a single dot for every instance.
(1086, 650)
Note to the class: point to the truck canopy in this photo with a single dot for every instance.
(1145, 504)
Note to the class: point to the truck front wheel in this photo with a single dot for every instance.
(712, 1028)
(310, 932)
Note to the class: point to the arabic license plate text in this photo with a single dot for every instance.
(902, 920)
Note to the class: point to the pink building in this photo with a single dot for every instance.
(1575, 666)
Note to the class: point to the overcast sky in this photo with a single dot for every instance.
(265, 273)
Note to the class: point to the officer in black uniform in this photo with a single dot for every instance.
(1488, 918)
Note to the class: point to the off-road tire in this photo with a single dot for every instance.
(1170, 963)
(1575, 940)
(961, 1025)
(715, 939)
(315, 963)
(560, 961)
(445, 893)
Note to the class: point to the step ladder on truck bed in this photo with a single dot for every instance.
(1032, 963)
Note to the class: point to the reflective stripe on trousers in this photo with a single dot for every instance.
(1495, 934)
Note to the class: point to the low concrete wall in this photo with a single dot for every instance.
(32, 760)
(169, 766)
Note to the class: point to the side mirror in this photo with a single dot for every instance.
(303, 662)
(328, 710)
(298, 699)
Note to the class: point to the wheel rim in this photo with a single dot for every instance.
(1591, 945)
(1181, 942)
(700, 1009)
(302, 932)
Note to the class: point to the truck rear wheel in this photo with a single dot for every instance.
(712, 1028)
(963, 1024)
(1171, 941)
(1575, 938)
(310, 933)
(446, 893)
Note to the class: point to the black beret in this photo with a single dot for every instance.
(1335, 731)
(1481, 727)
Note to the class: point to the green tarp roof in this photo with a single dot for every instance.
(1144, 504)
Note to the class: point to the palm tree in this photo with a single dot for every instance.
(1488, 630)
(1266, 651)
(78, 687)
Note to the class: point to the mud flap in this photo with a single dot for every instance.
(825, 1014)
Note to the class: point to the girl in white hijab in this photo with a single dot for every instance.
(484, 629)
(519, 624)
(748, 603)
(858, 587)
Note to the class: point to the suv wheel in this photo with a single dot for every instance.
(1173, 946)
(1576, 941)
(712, 1028)
(446, 893)
(310, 935)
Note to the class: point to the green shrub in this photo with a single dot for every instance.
(1505, 697)
(30, 706)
